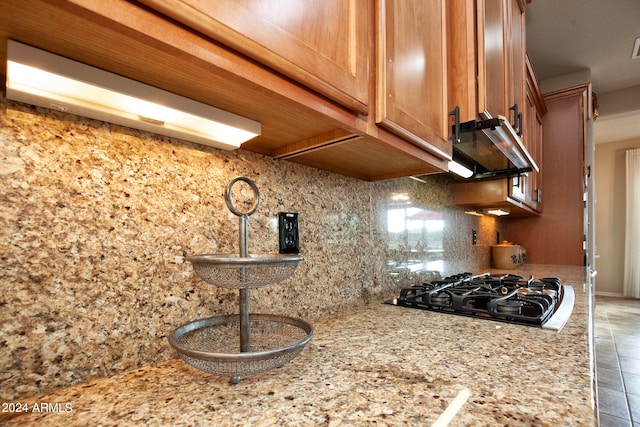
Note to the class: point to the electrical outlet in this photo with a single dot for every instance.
(474, 237)
(289, 233)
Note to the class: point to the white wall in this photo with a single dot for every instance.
(610, 214)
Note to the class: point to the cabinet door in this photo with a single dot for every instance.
(411, 96)
(322, 44)
(493, 73)
(527, 187)
(535, 185)
(461, 52)
(533, 112)
(533, 141)
(501, 57)
(516, 60)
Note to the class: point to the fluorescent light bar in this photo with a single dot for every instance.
(460, 170)
(47, 80)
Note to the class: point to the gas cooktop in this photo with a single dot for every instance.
(544, 302)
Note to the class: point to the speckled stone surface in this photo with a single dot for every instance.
(374, 365)
(96, 221)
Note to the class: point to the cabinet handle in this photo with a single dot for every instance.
(514, 108)
(456, 127)
(515, 180)
(520, 124)
(538, 195)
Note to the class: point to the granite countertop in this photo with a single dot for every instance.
(375, 364)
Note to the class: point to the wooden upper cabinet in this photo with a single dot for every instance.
(534, 111)
(557, 236)
(411, 95)
(534, 132)
(491, 34)
(527, 187)
(291, 65)
(323, 45)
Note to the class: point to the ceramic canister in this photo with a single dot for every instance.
(507, 255)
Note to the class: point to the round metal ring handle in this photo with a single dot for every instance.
(230, 205)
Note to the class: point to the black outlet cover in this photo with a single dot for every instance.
(289, 233)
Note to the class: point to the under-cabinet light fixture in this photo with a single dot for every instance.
(498, 212)
(460, 170)
(415, 178)
(51, 81)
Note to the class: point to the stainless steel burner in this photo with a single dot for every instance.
(509, 307)
(441, 298)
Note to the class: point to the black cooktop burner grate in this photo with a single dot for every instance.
(508, 298)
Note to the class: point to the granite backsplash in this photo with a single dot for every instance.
(97, 220)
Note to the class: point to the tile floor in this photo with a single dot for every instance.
(617, 331)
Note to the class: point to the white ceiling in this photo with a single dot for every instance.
(569, 36)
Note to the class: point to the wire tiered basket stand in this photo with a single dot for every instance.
(242, 344)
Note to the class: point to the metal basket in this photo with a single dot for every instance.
(242, 344)
(252, 271)
(211, 345)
